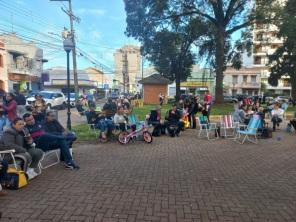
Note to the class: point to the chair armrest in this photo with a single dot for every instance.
(7, 151)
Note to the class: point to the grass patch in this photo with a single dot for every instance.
(217, 109)
(83, 133)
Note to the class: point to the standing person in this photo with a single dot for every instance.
(276, 116)
(161, 99)
(21, 103)
(192, 112)
(208, 100)
(10, 108)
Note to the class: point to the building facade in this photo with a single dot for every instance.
(127, 67)
(22, 64)
(55, 79)
(265, 43)
(245, 81)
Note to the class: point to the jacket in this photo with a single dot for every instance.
(14, 140)
(10, 108)
(53, 127)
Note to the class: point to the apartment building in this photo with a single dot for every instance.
(127, 67)
(21, 64)
(265, 43)
(245, 81)
(3, 71)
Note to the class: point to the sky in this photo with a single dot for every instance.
(99, 33)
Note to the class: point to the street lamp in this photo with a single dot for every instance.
(68, 46)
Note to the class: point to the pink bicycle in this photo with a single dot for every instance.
(126, 137)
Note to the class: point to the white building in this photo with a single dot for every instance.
(22, 64)
(127, 67)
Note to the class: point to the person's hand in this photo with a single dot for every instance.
(30, 141)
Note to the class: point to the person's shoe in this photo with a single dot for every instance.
(2, 192)
(31, 173)
(71, 166)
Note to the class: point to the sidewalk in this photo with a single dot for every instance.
(173, 179)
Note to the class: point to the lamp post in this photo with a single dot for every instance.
(68, 46)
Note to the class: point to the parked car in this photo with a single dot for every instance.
(282, 99)
(52, 99)
(230, 99)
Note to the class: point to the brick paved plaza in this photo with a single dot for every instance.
(172, 179)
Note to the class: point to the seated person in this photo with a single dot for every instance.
(276, 116)
(104, 124)
(155, 120)
(3, 172)
(48, 141)
(91, 115)
(121, 119)
(53, 126)
(239, 115)
(39, 108)
(110, 108)
(173, 123)
(23, 144)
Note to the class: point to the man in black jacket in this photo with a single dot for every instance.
(21, 103)
(173, 124)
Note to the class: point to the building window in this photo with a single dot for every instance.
(259, 37)
(257, 60)
(1, 60)
(245, 79)
(234, 79)
(253, 79)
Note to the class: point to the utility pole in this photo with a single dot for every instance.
(125, 71)
(72, 18)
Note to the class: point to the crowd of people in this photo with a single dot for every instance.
(32, 133)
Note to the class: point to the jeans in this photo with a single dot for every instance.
(48, 142)
(104, 125)
(2, 125)
(3, 170)
(275, 121)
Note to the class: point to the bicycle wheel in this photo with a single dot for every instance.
(147, 137)
(123, 138)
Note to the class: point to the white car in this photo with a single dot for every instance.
(52, 99)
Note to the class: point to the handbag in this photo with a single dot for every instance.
(15, 179)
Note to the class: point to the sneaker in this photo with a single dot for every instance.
(71, 166)
(31, 173)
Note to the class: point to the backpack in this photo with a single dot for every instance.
(266, 133)
(15, 179)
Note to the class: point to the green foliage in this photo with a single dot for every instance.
(283, 61)
(173, 33)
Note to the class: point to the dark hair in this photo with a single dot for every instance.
(48, 113)
(16, 120)
(11, 95)
(26, 115)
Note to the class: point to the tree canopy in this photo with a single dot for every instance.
(283, 61)
(201, 28)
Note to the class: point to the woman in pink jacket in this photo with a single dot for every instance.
(10, 108)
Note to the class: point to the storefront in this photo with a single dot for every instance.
(23, 82)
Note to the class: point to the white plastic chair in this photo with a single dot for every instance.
(206, 128)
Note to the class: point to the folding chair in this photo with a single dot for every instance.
(50, 158)
(227, 124)
(10, 153)
(206, 128)
(133, 120)
(250, 130)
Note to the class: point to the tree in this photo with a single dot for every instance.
(222, 18)
(283, 61)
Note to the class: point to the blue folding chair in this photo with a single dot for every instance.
(250, 130)
(133, 120)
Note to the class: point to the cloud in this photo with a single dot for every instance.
(95, 12)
